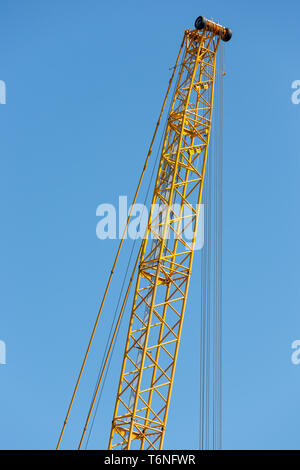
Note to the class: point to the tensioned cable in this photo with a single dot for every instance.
(96, 390)
(104, 371)
(210, 419)
(121, 293)
(118, 251)
(127, 267)
(116, 310)
(220, 246)
(218, 261)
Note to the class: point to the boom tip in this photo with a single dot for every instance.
(224, 33)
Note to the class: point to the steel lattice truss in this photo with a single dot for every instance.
(160, 296)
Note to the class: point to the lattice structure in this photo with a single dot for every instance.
(160, 296)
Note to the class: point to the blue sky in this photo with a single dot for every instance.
(85, 81)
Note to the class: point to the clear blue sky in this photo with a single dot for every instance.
(85, 81)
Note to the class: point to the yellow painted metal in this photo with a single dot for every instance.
(148, 368)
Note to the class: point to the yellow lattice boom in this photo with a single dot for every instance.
(165, 264)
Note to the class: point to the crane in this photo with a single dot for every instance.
(165, 259)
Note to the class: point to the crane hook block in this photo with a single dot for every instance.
(224, 33)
